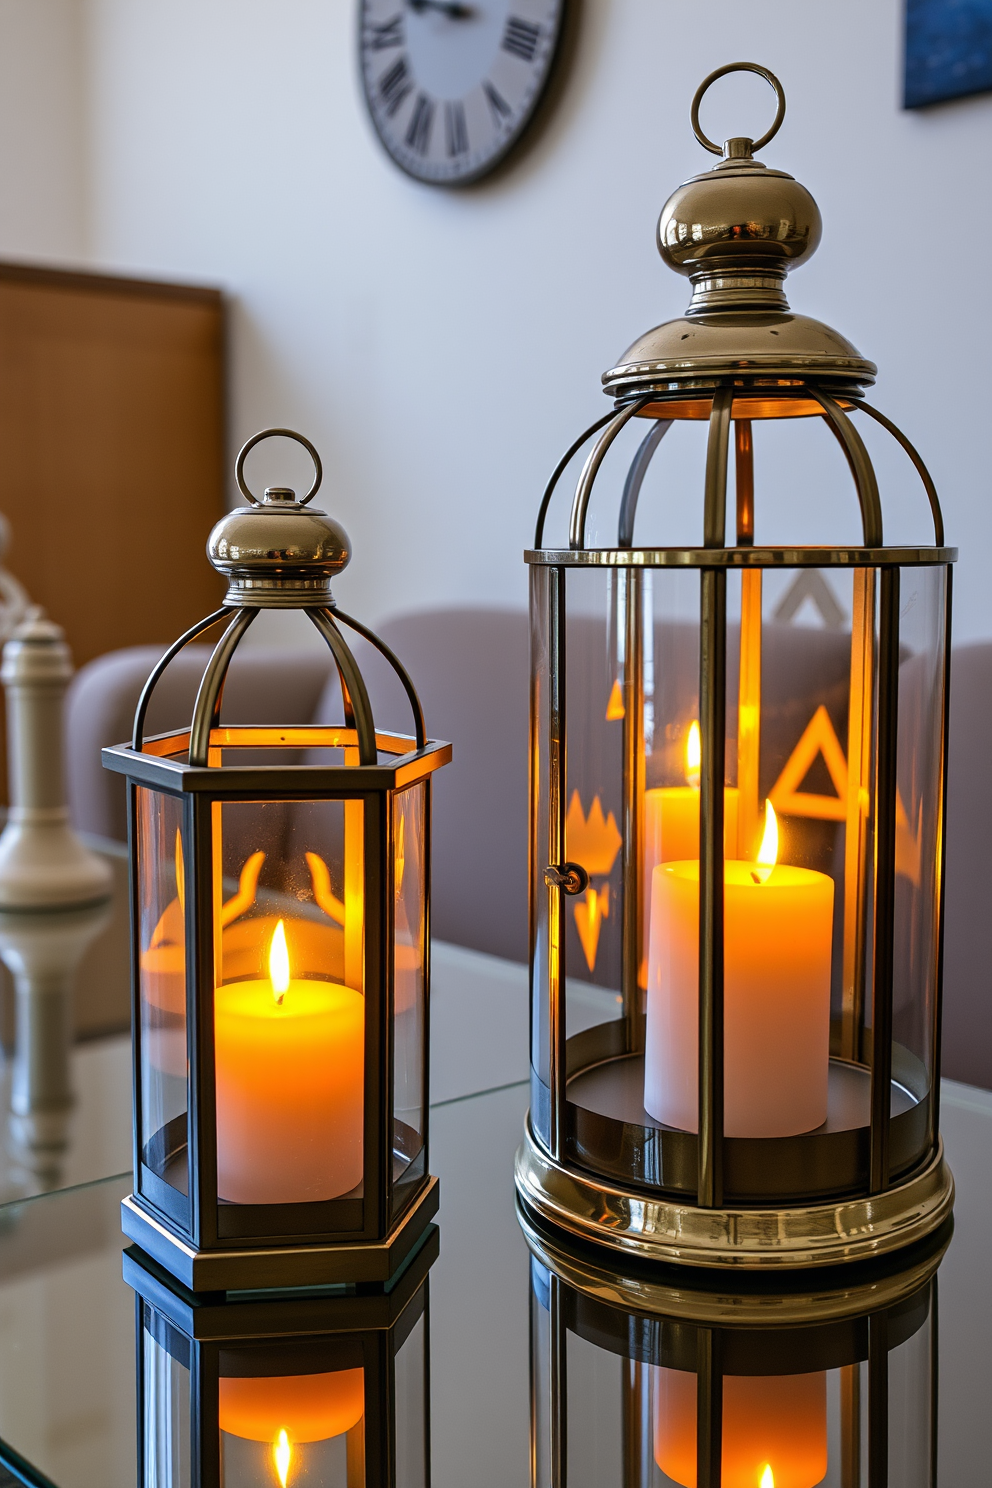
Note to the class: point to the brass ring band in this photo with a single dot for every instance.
(720, 72)
(656, 1228)
(239, 469)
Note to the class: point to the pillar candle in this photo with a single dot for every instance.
(774, 1429)
(778, 925)
(290, 1087)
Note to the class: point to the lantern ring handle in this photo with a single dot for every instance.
(239, 469)
(720, 72)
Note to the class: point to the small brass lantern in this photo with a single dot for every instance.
(280, 902)
(736, 821)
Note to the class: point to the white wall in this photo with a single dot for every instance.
(442, 348)
(43, 185)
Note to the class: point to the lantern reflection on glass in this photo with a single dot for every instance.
(761, 1086)
(280, 903)
(247, 1394)
(638, 1381)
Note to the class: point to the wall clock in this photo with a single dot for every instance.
(453, 84)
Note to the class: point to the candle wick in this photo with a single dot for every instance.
(754, 875)
(279, 997)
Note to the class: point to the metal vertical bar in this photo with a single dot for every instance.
(749, 683)
(934, 1380)
(377, 1168)
(858, 830)
(634, 890)
(709, 1409)
(885, 875)
(712, 719)
(202, 930)
(557, 782)
(941, 829)
(533, 1336)
(712, 709)
(559, 1387)
(136, 848)
(850, 1425)
(878, 1401)
(636, 1424)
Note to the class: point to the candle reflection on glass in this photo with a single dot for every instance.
(774, 1429)
(291, 1410)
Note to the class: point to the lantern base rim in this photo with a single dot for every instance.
(662, 1229)
(268, 1268)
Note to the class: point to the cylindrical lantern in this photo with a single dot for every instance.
(737, 821)
(280, 893)
(330, 1390)
(767, 1388)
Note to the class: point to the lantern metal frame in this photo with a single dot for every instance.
(206, 1244)
(641, 1188)
(371, 1326)
(652, 1317)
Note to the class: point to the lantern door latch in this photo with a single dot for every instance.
(572, 878)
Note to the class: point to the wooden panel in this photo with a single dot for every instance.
(111, 451)
(112, 441)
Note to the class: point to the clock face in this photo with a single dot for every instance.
(452, 84)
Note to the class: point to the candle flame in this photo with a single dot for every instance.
(279, 967)
(693, 756)
(768, 851)
(767, 1477)
(283, 1453)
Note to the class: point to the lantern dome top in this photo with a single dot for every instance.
(736, 231)
(278, 552)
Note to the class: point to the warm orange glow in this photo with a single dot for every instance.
(320, 877)
(589, 916)
(279, 963)
(614, 706)
(180, 873)
(592, 840)
(283, 1454)
(767, 1477)
(400, 856)
(693, 755)
(247, 886)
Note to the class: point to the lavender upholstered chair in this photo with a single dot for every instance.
(471, 668)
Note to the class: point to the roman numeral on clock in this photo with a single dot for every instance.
(418, 134)
(394, 85)
(521, 38)
(498, 106)
(455, 128)
(386, 34)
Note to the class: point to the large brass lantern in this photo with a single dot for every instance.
(737, 821)
(280, 921)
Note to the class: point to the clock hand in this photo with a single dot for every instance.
(451, 8)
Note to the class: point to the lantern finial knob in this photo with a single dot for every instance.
(278, 552)
(737, 229)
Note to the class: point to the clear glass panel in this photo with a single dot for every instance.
(289, 1005)
(162, 986)
(165, 1406)
(409, 843)
(293, 1429)
(911, 1423)
(540, 591)
(411, 1408)
(922, 606)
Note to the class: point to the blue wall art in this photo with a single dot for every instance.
(948, 50)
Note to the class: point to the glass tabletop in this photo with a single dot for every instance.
(68, 1406)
